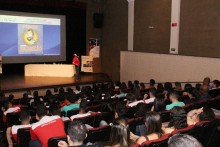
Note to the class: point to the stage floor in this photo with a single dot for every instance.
(16, 83)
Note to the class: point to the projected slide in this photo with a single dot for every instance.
(29, 36)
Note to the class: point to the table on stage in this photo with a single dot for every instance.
(50, 70)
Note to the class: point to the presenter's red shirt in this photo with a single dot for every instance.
(76, 61)
(48, 127)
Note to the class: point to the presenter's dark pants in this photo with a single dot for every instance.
(77, 68)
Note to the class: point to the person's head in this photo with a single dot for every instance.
(193, 93)
(130, 85)
(206, 81)
(215, 83)
(183, 140)
(41, 111)
(76, 133)
(178, 118)
(198, 86)
(61, 90)
(56, 111)
(152, 93)
(152, 82)
(141, 109)
(168, 86)
(35, 94)
(174, 95)
(178, 86)
(131, 97)
(187, 86)
(142, 85)
(159, 105)
(6, 105)
(121, 110)
(160, 87)
(30, 34)
(10, 97)
(153, 123)
(83, 105)
(75, 55)
(24, 116)
(120, 133)
(207, 114)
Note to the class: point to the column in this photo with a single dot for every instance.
(130, 25)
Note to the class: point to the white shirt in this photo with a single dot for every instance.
(150, 100)
(135, 103)
(79, 116)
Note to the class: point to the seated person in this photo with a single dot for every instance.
(73, 105)
(9, 108)
(47, 127)
(56, 111)
(141, 110)
(174, 99)
(178, 120)
(120, 134)
(152, 96)
(153, 127)
(152, 84)
(193, 95)
(183, 140)
(215, 84)
(158, 105)
(82, 110)
(24, 117)
(77, 133)
(132, 100)
(202, 114)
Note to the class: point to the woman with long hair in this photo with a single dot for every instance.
(153, 127)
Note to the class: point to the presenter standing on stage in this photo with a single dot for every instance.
(76, 62)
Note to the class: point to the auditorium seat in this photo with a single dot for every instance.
(106, 116)
(190, 130)
(23, 137)
(12, 119)
(53, 142)
(87, 120)
(132, 125)
(100, 134)
(161, 142)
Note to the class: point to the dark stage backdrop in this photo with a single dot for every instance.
(75, 25)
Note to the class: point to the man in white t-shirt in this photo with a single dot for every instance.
(152, 95)
(82, 111)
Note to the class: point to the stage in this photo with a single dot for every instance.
(18, 83)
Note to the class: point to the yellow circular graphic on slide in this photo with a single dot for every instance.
(30, 37)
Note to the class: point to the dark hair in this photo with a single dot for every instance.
(183, 140)
(6, 105)
(41, 110)
(56, 111)
(178, 118)
(195, 93)
(77, 131)
(83, 105)
(174, 94)
(187, 86)
(61, 90)
(152, 82)
(136, 82)
(216, 82)
(160, 87)
(10, 97)
(121, 109)
(123, 86)
(142, 85)
(141, 110)
(120, 133)
(24, 115)
(153, 92)
(55, 89)
(153, 123)
(206, 81)
(131, 97)
(130, 85)
(198, 86)
(168, 86)
(159, 105)
(207, 114)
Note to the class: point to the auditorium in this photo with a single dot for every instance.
(109, 73)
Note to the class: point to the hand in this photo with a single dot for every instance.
(145, 96)
(62, 144)
(199, 110)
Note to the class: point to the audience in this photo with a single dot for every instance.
(206, 83)
(178, 86)
(152, 96)
(215, 84)
(9, 108)
(132, 100)
(46, 128)
(24, 117)
(193, 95)
(153, 127)
(160, 88)
(74, 104)
(183, 140)
(158, 105)
(152, 84)
(174, 99)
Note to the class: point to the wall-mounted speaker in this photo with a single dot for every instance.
(98, 20)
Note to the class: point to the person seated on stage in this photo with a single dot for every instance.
(77, 133)
(178, 120)
(74, 103)
(153, 127)
(24, 117)
(9, 108)
(132, 100)
(47, 127)
(82, 111)
(183, 140)
(174, 99)
(202, 114)
(56, 111)
(215, 84)
(152, 84)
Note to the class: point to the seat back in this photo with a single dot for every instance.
(53, 142)
(87, 120)
(190, 130)
(161, 142)
(12, 119)
(107, 117)
(100, 134)
(23, 137)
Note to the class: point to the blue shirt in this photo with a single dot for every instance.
(170, 106)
